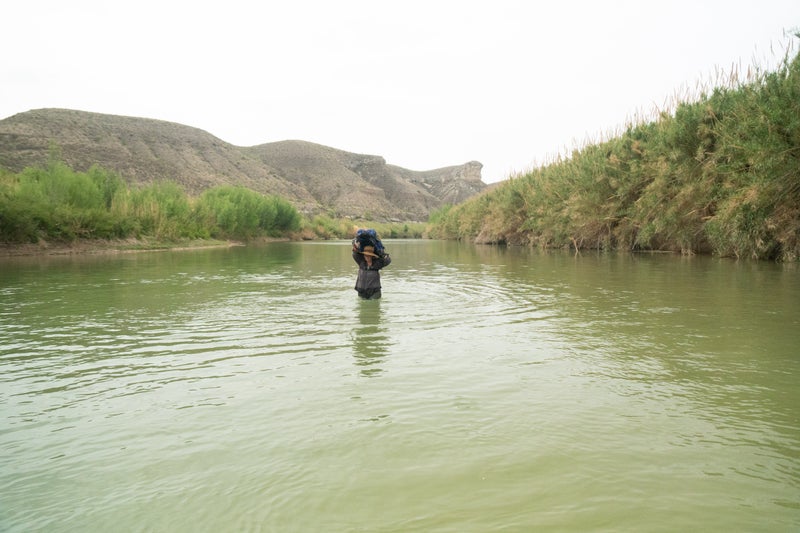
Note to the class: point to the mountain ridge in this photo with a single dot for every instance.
(314, 177)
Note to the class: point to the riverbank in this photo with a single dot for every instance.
(719, 175)
(104, 246)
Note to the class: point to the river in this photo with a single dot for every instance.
(491, 389)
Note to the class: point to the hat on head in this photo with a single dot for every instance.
(369, 250)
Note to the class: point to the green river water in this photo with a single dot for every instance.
(491, 389)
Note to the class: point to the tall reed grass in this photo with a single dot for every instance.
(60, 204)
(714, 170)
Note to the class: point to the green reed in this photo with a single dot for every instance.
(60, 204)
(715, 170)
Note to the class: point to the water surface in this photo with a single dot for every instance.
(491, 389)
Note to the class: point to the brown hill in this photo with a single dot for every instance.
(315, 178)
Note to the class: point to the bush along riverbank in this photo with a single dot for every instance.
(720, 175)
(59, 205)
(56, 210)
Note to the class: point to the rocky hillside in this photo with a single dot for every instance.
(315, 178)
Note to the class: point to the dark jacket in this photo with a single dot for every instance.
(368, 282)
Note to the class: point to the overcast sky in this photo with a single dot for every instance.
(425, 84)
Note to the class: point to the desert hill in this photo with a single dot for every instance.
(315, 178)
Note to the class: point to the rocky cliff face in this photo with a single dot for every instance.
(315, 178)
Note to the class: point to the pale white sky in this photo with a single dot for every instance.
(423, 83)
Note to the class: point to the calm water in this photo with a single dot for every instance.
(491, 389)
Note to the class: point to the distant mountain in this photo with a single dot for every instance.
(315, 178)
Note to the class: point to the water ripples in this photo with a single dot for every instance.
(478, 394)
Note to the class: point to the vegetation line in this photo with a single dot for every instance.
(58, 210)
(59, 204)
(720, 175)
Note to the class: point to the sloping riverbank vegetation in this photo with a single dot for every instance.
(57, 208)
(720, 175)
(59, 204)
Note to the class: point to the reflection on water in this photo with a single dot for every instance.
(225, 390)
(370, 340)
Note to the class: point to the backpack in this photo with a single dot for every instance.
(369, 237)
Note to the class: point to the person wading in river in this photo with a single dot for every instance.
(371, 258)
